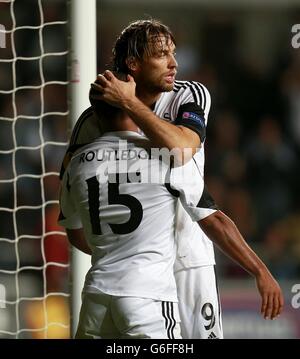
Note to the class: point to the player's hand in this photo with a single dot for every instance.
(271, 294)
(112, 90)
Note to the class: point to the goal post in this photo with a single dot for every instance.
(83, 58)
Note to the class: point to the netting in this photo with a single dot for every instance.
(34, 293)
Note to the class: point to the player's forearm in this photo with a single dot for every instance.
(224, 233)
(77, 239)
(160, 132)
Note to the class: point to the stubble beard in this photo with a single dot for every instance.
(169, 87)
(160, 87)
(152, 87)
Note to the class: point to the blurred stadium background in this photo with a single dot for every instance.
(242, 52)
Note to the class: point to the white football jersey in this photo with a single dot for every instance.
(187, 105)
(180, 106)
(125, 200)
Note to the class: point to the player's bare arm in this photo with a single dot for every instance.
(161, 133)
(224, 233)
(77, 239)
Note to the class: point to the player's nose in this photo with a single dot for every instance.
(172, 61)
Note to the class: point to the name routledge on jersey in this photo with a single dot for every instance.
(125, 153)
(113, 155)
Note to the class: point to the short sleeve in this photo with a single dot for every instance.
(195, 102)
(207, 205)
(188, 183)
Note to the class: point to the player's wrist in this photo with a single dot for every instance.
(261, 271)
(132, 104)
(137, 111)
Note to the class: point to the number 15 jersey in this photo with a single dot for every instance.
(125, 200)
(188, 105)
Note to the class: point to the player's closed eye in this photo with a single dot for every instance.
(162, 53)
(166, 53)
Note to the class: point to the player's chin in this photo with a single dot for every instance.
(167, 87)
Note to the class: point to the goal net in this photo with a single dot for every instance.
(34, 258)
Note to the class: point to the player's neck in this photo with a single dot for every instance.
(147, 98)
(121, 123)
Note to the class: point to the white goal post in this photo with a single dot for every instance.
(83, 72)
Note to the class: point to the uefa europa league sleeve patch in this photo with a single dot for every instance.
(193, 117)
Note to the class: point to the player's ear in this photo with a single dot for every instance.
(132, 64)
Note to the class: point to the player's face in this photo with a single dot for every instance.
(156, 73)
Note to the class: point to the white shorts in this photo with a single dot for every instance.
(199, 304)
(103, 316)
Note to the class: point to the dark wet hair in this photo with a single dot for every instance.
(138, 39)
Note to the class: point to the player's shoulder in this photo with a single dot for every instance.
(87, 128)
(79, 123)
(187, 84)
(194, 89)
(187, 92)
